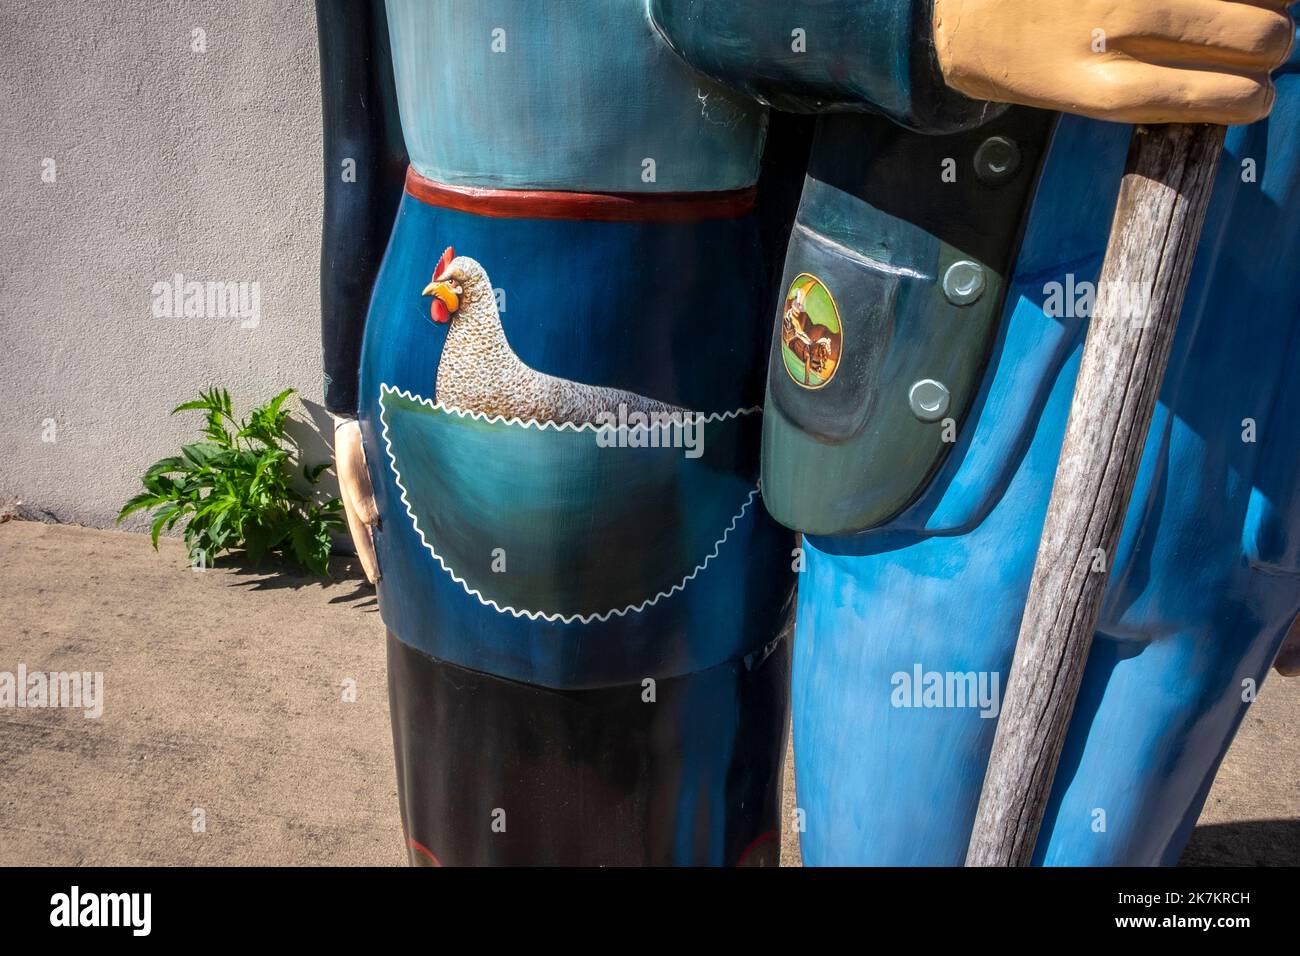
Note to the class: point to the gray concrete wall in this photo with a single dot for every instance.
(167, 159)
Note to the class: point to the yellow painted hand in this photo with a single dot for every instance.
(1149, 61)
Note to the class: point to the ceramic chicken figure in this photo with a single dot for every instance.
(480, 372)
(588, 648)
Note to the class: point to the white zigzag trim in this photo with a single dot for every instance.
(542, 426)
(523, 612)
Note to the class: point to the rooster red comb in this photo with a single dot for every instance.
(445, 301)
(444, 262)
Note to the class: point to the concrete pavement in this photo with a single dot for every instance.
(230, 734)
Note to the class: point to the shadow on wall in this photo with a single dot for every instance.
(1244, 843)
(313, 440)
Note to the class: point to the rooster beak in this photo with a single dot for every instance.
(443, 292)
(445, 301)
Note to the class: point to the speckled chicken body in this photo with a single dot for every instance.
(480, 372)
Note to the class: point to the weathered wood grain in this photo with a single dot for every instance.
(1158, 219)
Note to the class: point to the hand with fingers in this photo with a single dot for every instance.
(356, 491)
(1155, 61)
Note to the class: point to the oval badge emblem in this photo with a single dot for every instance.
(812, 338)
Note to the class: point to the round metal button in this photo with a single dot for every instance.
(963, 283)
(997, 160)
(929, 399)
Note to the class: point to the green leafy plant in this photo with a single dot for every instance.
(236, 489)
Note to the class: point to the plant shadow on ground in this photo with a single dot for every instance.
(347, 583)
(1244, 843)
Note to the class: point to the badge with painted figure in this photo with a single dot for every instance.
(812, 337)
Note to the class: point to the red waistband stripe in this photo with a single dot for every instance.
(593, 207)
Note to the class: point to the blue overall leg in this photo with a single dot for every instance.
(1202, 591)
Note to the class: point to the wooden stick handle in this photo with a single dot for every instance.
(1162, 201)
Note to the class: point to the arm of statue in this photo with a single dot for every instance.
(356, 491)
(812, 56)
(365, 161)
(943, 65)
(1161, 61)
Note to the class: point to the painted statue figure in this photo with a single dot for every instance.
(559, 401)
(556, 374)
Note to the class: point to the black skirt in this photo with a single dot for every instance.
(686, 771)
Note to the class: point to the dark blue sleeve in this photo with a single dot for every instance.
(359, 113)
(823, 55)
